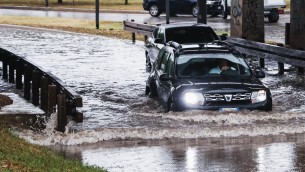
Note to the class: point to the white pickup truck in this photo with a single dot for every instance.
(272, 9)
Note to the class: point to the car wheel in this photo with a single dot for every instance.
(195, 10)
(273, 19)
(154, 10)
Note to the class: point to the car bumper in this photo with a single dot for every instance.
(213, 9)
(265, 106)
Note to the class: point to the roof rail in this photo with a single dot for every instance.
(174, 44)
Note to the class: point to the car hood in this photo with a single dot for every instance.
(221, 83)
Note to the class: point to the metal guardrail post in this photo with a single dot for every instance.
(133, 35)
(280, 65)
(287, 33)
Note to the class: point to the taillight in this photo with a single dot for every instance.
(280, 11)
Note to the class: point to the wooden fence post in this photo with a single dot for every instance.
(19, 72)
(44, 93)
(51, 98)
(4, 67)
(35, 87)
(27, 82)
(61, 112)
(11, 72)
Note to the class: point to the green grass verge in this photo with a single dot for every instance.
(90, 4)
(19, 155)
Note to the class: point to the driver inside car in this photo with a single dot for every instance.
(223, 66)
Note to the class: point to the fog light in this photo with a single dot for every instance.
(258, 96)
(193, 98)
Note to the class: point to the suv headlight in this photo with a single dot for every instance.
(258, 96)
(193, 98)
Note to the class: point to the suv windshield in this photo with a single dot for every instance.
(186, 35)
(190, 65)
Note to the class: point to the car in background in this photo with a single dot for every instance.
(207, 76)
(156, 7)
(182, 33)
(214, 7)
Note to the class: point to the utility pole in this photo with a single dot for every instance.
(97, 14)
(202, 11)
(167, 11)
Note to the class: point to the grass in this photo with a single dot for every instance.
(18, 155)
(88, 4)
(112, 29)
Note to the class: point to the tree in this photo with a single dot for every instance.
(126, 2)
(59, 1)
(202, 11)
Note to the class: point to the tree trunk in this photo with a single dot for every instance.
(59, 1)
(202, 11)
(126, 2)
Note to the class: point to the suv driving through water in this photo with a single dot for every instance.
(182, 33)
(212, 76)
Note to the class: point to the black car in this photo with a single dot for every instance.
(212, 76)
(214, 7)
(183, 33)
(156, 7)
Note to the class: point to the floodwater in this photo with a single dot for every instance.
(125, 131)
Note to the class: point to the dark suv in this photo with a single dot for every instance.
(156, 7)
(211, 76)
(183, 33)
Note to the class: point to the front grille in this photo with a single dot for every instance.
(227, 99)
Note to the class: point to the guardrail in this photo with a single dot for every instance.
(263, 51)
(41, 88)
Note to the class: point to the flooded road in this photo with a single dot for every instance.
(125, 131)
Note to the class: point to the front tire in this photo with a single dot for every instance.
(154, 10)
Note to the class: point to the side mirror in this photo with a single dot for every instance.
(260, 74)
(223, 37)
(159, 41)
(149, 40)
(165, 77)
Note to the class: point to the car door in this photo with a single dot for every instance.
(164, 86)
(180, 6)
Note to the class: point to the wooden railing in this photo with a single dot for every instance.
(261, 50)
(41, 88)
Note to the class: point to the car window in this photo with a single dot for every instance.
(189, 65)
(163, 66)
(185, 35)
(161, 34)
(155, 33)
